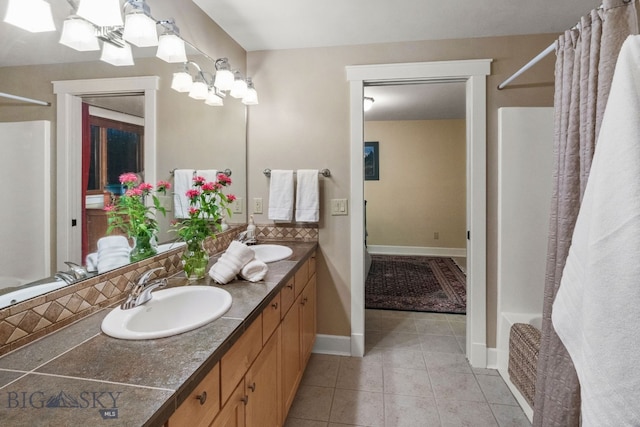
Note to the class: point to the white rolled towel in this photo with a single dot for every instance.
(231, 262)
(254, 270)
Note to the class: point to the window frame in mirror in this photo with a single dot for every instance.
(69, 147)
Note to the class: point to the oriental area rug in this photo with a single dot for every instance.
(415, 283)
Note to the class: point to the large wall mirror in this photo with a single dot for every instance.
(178, 132)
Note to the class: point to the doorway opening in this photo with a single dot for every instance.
(473, 73)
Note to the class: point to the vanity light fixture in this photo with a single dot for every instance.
(79, 34)
(200, 88)
(224, 77)
(115, 55)
(213, 99)
(182, 80)
(103, 13)
(367, 103)
(31, 15)
(251, 98)
(239, 87)
(139, 27)
(170, 46)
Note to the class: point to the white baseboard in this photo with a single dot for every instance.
(492, 358)
(332, 344)
(416, 250)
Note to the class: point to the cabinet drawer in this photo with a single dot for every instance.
(287, 296)
(238, 359)
(202, 405)
(301, 278)
(233, 413)
(270, 318)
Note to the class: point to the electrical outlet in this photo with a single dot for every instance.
(237, 205)
(257, 205)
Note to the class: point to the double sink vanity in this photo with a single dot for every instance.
(195, 354)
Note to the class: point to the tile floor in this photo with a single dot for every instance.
(414, 374)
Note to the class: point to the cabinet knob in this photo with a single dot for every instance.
(304, 301)
(202, 397)
(245, 399)
(290, 286)
(274, 305)
(252, 386)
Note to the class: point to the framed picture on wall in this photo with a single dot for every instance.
(371, 161)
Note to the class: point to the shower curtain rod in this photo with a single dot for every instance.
(22, 98)
(528, 65)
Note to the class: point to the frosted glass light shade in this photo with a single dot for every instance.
(79, 34)
(199, 90)
(213, 99)
(224, 80)
(140, 30)
(103, 13)
(171, 49)
(251, 98)
(118, 56)
(181, 82)
(239, 88)
(31, 15)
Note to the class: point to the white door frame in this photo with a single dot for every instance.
(69, 151)
(474, 72)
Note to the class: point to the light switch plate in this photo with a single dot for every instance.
(339, 207)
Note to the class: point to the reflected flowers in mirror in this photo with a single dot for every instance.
(131, 215)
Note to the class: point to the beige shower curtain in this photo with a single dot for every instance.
(586, 57)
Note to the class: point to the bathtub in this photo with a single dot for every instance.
(11, 282)
(26, 293)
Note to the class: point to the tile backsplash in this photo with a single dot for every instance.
(22, 323)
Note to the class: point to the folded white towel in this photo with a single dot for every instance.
(307, 196)
(281, 195)
(92, 262)
(254, 270)
(182, 182)
(231, 262)
(595, 312)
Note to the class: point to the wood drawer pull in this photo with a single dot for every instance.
(252, 387)
(202, 397)
(274, 305)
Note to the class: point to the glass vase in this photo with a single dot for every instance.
(195, 260)
(144, 246)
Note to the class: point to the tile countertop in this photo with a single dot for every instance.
(79, 376)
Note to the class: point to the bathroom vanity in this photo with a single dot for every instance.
(242, 369)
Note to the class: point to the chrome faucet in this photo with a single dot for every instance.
(66, 277)
(77, 270)
(242, 238)
(141, 292)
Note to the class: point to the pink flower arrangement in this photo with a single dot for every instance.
(130, 213)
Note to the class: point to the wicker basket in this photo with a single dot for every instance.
(524, 345)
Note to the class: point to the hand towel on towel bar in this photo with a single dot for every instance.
(209, 175)
(281, 195)
(307, 196)
(182, 181)
(595, 312)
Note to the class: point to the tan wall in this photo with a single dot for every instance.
(303, 122)
(190, 133)
(421, 189)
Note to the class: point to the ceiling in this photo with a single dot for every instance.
(286, 24)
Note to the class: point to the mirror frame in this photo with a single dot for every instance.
(69, 148)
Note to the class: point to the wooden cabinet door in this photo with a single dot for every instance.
(308, 319)
(232, 414)
(262, 386)
(238, 359)
(291, 367)
(202, 405)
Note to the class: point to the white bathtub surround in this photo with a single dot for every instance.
(595, 310)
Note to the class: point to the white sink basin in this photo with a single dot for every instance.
(169, 312)
(271, 253)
